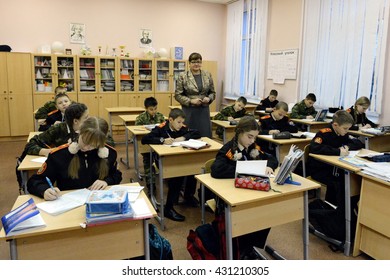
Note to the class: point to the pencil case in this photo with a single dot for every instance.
(107, 201)
(253, 182)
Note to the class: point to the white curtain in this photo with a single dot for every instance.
(246, 48)
(343, 51)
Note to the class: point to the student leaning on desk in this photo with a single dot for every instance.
(358, 113)
(56, 116)
(244, 147)
(305, 108)
(49, 106)
(333, 140)
(87, 163)
(168, 132)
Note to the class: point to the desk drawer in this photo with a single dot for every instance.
(374, 244)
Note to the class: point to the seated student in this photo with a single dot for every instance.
(358, 113)
(49, 105)
(150, 116)
(87, 163)
(231, 113)
(57, 135)
(268, 104)
(243, 147)
(62, 102)
(304, 109)
(332, 140)
(277, 121)
(168, 132)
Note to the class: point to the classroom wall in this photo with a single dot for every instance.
(196, 26)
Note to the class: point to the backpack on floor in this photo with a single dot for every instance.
(159, 247)
(203, 244)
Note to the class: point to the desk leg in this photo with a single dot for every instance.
(146, 239)
(228, 232)
(366, 143)
(347, 245)
(24, 174)
(202, 202)
(136, 163)
(160, 218)
(127, 148)
(110, 123)
(308, 128)
(278, 154)
(13, 251)
(224, 135)
(305, 229)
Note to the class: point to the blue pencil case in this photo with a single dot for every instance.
(107, 201)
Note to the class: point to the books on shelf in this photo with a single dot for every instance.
(65, 202)
(23, 218)
(289, 164)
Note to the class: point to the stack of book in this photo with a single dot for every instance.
(107, 206)
(289, 164)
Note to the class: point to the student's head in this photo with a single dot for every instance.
(310, 100)
(62, 101)
(59, 90)
(75, 115)
(240, 104)
(280, 111)
(176, 119)
(342, 121)
(247, 130)
(273, 94)
(150, 104)
(362, 104)
(93, 134)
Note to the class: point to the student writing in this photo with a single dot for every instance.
(268, 104)
(358, 113)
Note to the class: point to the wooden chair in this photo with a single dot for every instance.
(304, 161)
(211, 202)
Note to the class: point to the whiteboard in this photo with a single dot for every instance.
(282, 65)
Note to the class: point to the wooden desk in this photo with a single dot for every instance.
(247, 211)
(116, 111)
(228, 130)
(250, 108)
(27, 168)
(64, 238)
(379, 143)
(312, 126)
(283, 146)
(177, 162)
(352, 187)
(174, 106)
(373, 222)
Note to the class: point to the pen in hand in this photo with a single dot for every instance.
(52, 187)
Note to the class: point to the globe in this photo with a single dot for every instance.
(162, 53)
(57, 47)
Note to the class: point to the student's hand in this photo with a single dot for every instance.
(206, 100)
(309, 117)
(366, 126)
(168, 141)
(196, 101)
(344, 151)
(179, 139)
(274, 131)
(51, 194)
(230, 119)
(98, 185)
(269, 171)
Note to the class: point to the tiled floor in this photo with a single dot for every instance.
(286, 239)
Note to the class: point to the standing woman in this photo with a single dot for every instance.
(86, 163)
(195, 92)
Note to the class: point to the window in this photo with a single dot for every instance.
(343, 54)
(246, 48)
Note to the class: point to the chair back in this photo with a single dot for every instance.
(207, 165)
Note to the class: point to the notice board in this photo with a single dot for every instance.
(282, 65)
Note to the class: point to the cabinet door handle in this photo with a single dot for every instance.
(10, 98)
(5, 91)
(10, 91)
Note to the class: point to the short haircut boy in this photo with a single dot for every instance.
(176, 112)
(58, 96)
(242, 99)
(282, 105)
(312, 97)
(342, 117)
(59, 90)
(150, 102)
(273, 92)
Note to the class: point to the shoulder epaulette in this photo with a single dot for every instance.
(257, 147)
(52, 112)
(349, 110)
(265, 117)
(60, 148)
(229, 154)
(325, 130)
(162, 124)
(111, 147)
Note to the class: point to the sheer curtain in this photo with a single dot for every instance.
(246, 48)
(343, 51)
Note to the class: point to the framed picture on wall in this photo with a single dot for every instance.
(77, 33)
(145, 40)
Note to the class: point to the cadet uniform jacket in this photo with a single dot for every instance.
(327, 142)
(159, 133)
(145, 118)
(187, 89)
(45, 110)
(359, 119)
(266, 103)
(52, 117)
(56, 169)
(269, 123)
(300, 111)
(225, 163)
(230, 112)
